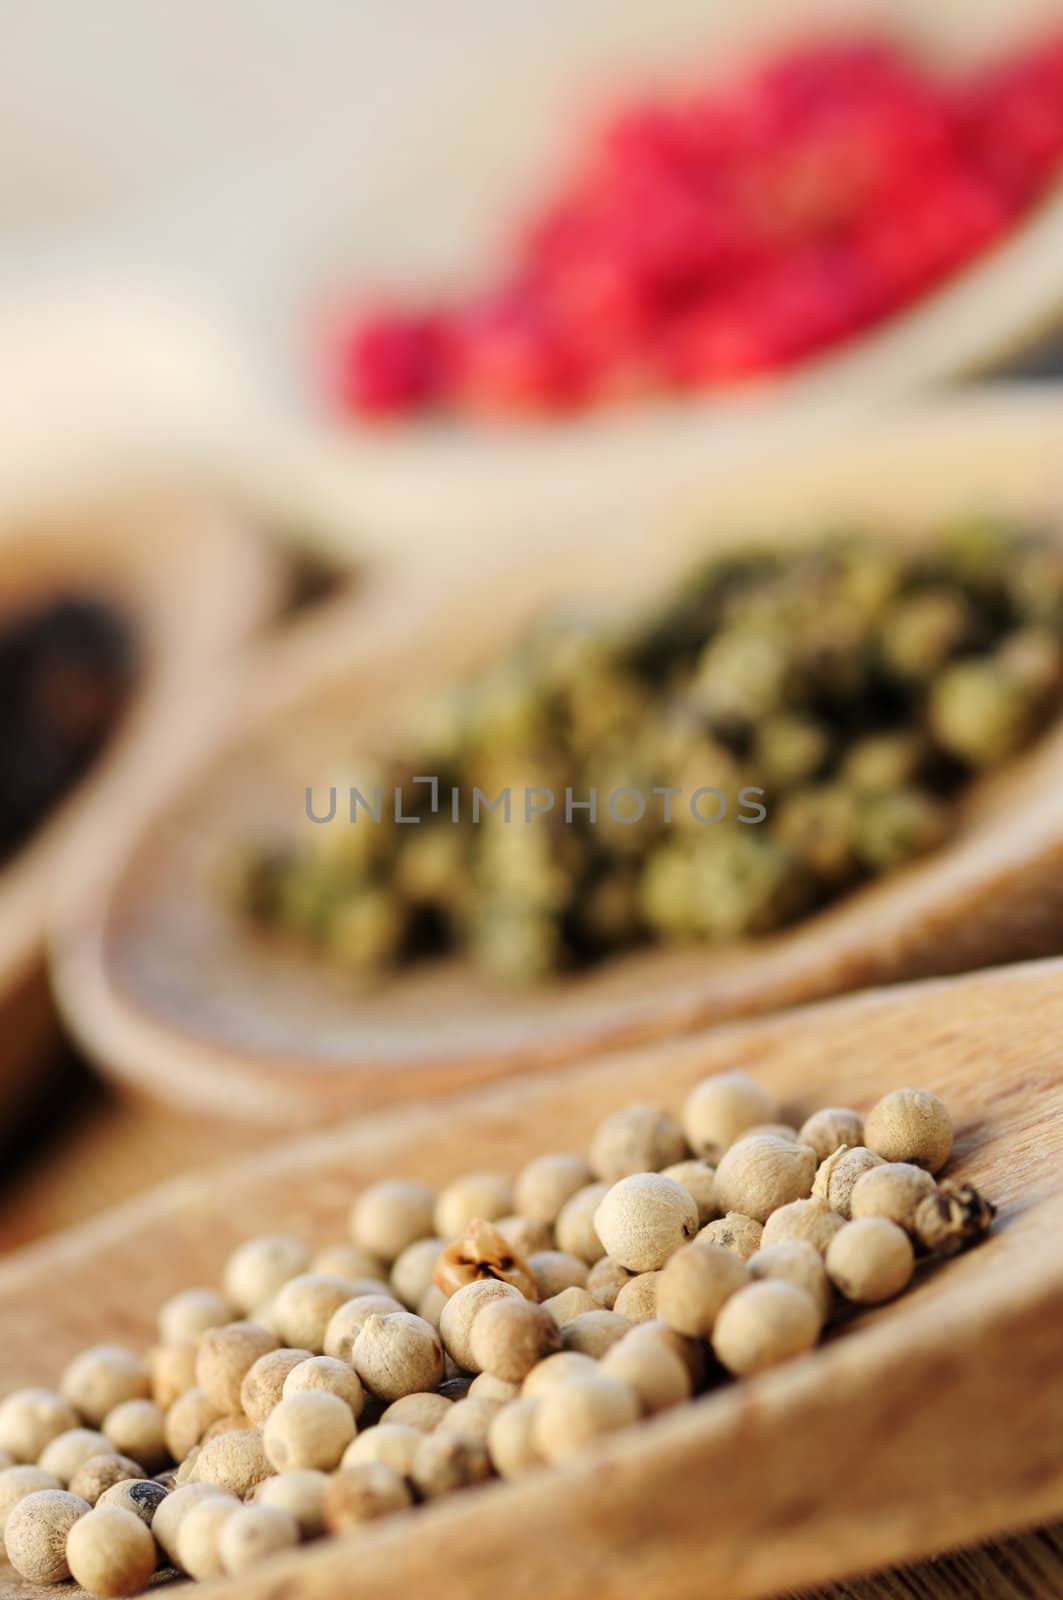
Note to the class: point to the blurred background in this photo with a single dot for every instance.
(188, 192)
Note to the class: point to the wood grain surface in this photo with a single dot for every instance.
(927, 1425)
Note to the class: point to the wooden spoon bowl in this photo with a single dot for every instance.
(173, 995)
(191, 581)
(929, 1423)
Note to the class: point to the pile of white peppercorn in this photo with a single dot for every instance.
(493, 1328)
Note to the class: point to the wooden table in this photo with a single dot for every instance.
(83, 1149)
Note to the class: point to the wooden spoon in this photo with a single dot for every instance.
(192, 580)
(172, 995)
(928, 1423)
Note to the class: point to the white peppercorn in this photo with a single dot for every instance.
(141, 1496)
(594, 1332)
(101, 1378)
(398, 1353)
(233, 1422)
(605, 1281)
(257, 1269)
(638, 1138)
(524, 1235)
(111, 1553)
(545, 1185)
(236, 1461)
(511, 1441)
(100, 1472)
(252, 1534)
(695, 1284)
(199, 1535)
(347, 1321)
(509, 1336)
(644, 1219)
(485, 1386)
(301, 1494)
(17, 1482)
(571, 1415)
(777, 1130)
(469, 1419)
(311, 1429)
(894, 1190)
(172, 1369)
(910, 1125)
(36, 1531)
(767, 1322)
(699, 1180)
(555, 1371)
(651, 1369)
(797, 1262)
(637, 1300)
(482, 1252)
(422, 1411)
(166, 1524)
(838, 1175)
(392, 1214)
(190, 1313)
(394, 1444)
(343, 1260)
(455, 1323)
(806, 1221)
(326, 1375)
(187, 1421)
(430, 1306)
(225, 1356)
(734, 1232)
(761, 1172)
(30, 1419)
(68, 1451)
(826, 1130)
(574, 1230)
(362, 1493)
(304, 1307)
(412, 1270)
(720, 1109)
(444, 1463)
(555, 1270)
(137, 1428)
(486, 1195)
(870, 1260)
(263, 1382)
(568, 1304)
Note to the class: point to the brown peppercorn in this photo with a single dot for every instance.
(953, 1218)
(575, 1231)
(111, 1553)
(554, 1270)
(224, 1358)
(510, 1336)
(695, 1284)
(910, 1125)
(362, 1494)
(546, 1184)
(838, 1175)
(720, 1109)
(480, 1253)
(234, 1461)
(806, 1221)
(761, 1172)
(392, 1214)
(36, 1532)
(870, 1260)
(766, 1322)
(100, 1472)
(594, 1332)
(734, 1232)
(398, 1353)
(893, 1190)
(828, 1129)
(263, 1382)
(638, 1138)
